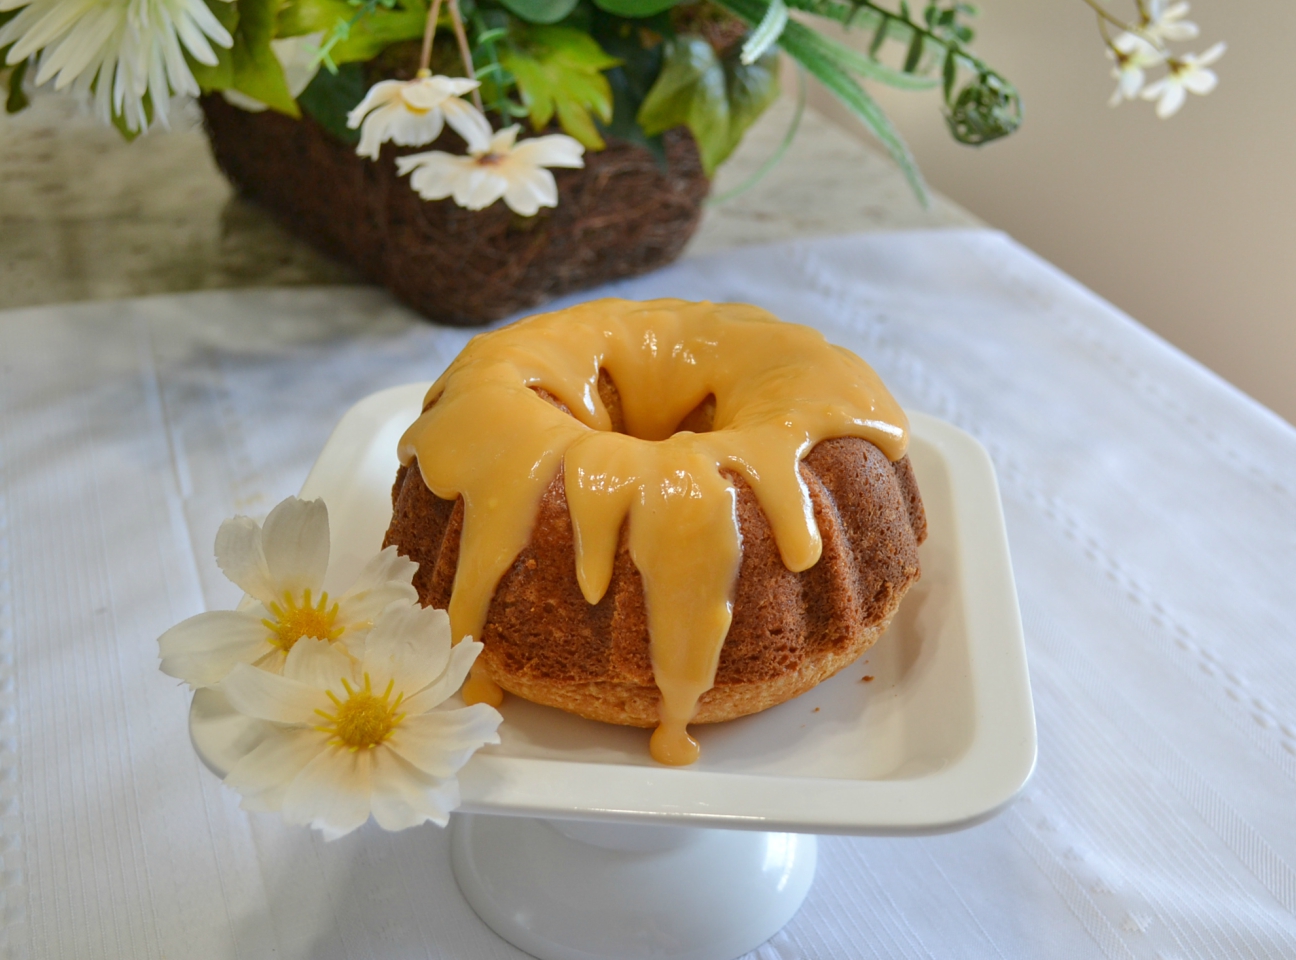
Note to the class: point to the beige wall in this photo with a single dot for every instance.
(1188, 224)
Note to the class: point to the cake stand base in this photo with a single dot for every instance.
(576, 890)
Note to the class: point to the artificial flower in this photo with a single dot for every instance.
(298, 57)
(1166, 23)
(1187, 73)
(411, 113)
(353, 739)
(1133, 55)
(129, 55)
(281, 567)
(495, 168)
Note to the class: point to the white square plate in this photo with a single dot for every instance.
(941, 737)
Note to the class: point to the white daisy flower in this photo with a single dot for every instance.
(282, 568)
(411, 113)
(118, 51)
(1133, 55)
(1166, 23)
(495, 168)
(1187, 73)
(349, 740)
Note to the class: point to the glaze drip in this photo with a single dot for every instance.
(488, 436)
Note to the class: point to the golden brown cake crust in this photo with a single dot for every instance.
(545, 642)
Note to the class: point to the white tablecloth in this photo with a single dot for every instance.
(1152, 516)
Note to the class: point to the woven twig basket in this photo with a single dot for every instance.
(621, 215)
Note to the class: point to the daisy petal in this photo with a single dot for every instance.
(387, 565)
(1200, 82)
(467, 121)
(262, 777)
(295, 540)
(204, 649)
(439, 743)
(461, 661)
(240, 557)
(529, 190)
(332, 793)
(318, 664)
(555, 150)
(409, 642)
(379, 94)
(404, 797)
(260, 694)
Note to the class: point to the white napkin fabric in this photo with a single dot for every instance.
(1152, 516)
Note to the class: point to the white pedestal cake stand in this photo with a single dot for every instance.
(573, 845)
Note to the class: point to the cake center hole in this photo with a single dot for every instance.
(701, 419)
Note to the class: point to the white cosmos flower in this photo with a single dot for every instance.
(1187, 73)
(495, 168)
(118, 51)
(353, 739)
(1166, 22)
(1133, 55)
(281, 567)
(411, 113)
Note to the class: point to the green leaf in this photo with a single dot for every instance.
(559, 70)
(635, 8)
(716, 99)
(369, 36)
(849, 59)
(914, 55)
(257, 71)
(250, 66)
(825, 62)
(331, 96)
(17, 100)
(540, 11)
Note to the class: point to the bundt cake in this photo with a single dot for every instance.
(659, 513)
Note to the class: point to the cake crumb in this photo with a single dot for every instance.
(866, 679)
(815, 710)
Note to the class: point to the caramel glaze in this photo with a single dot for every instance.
(522, 402)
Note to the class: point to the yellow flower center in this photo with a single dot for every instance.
(363, 720)
(292, 622)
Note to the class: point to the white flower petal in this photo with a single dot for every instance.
(409, 643)
(461, 661)
(435, 173)
(531, 189)
(1172, 99)
(502, 142)
(241, 559)
(266, 696)
(263, 775)
(467, 121)
(555, 150)
(1200, 82)
(386, 565)
(440, 742)
(379, 94)
(204, 649)
(414, 129)
(478, 188)
(404, 797)
(1210, 56)
(295, 540)
(332, 793)
(318, 664)
(361, 611)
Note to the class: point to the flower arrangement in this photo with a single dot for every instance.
(528, 87)
(345, 699)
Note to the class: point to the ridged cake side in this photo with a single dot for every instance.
(545, 642)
